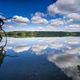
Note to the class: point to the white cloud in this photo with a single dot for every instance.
(57, 22)
(75, 16)
(38, 18)
(72, 28)
(20, 19)
(53, 9)
(40, 14)
(65, 6)
(69, 8)
(69, 21)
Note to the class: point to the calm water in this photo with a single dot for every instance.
(52, 58)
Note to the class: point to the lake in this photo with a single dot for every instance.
(40, 58)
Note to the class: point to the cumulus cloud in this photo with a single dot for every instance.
(56, 22)
(74, 16)
(68, 8)
(38, 19)
(65, 6)
(53, 9)
(72, 28)
(40, 14)
(20, 19)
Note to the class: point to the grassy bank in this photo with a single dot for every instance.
(40, 34)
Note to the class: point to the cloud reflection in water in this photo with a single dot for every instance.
(62, 51)
(67, 56)
(21, 48)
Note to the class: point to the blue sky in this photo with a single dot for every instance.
(44, 15)
(23, 7)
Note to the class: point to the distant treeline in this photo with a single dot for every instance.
(40, 34)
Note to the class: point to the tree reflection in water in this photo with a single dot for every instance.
(2, 55)
(2, 51)
(2, 48)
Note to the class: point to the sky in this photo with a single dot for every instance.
(41, 15)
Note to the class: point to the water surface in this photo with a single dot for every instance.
(47, 58)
